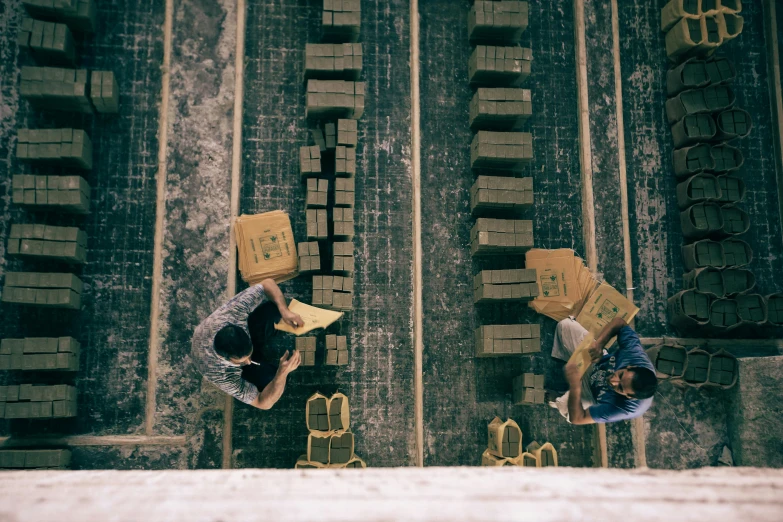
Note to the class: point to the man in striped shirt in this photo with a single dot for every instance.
(228, 345)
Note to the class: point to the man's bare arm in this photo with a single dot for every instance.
(274, 294)
(274, 390)
(576, 414)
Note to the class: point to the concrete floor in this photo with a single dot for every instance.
(122, 394)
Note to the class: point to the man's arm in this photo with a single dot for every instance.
(274, 390)
(274, 294)
(576, 414)
(609, 331)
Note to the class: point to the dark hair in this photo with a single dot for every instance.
(232, 342)
(644, 382)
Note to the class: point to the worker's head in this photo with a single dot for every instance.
(634, 382)
(233, 343)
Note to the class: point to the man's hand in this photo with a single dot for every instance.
(289, 363)
(291, 318)
(596, 350)
(572, 375)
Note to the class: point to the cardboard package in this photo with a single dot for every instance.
(266, 247)
(313, 318)
(303, 463)
(545, 454)
(563, 279)
(604, 304)
(504, 438)
(325, 415)
(488, 459)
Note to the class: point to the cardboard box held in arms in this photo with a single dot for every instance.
(266, 247)
(568, 288)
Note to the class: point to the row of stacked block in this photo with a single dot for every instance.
(35, 459)
(504, 448)
(40, 353)
(700, 109)
(70, 90)
(692, 309)
(32, 401)
(698, 27)
(694, 367)
(330, 443)
(497, 67)
(334, 101)
(48, 37)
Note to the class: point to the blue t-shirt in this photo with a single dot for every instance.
(610, 406)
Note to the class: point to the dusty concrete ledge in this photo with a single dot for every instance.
(393, 494)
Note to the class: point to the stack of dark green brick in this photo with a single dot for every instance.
(66, 193)
(309, 256)
(344, 192)
(501, 66)
(68, 147)
(50, 290)
(69, 90)
(501, 340)
(501, 150)
(309, 161)
(343, 261)
(40, 353)
(336, 350)
(333, 61)
(333, 291)
(345, 162)
(35, 459)
(343, 223)
(305, 345)
(501, 236)
(317, 193)
(334, 99)
(505, 285)
(500, 193)
(317, 223)
(33, 401)
(48, 42)
(79, 15)
(528, 388)
(501, 108)
(342, 20)
(497, 21)
(716, 298)
(58, 243)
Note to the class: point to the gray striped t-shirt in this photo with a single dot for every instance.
(222, 373)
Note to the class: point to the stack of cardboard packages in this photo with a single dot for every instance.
(504, 443)
(266, 247)
(494, 285)
(564, 282)
(331, 442)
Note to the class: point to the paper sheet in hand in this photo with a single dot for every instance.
(603, 305)
(312, 316)
(581, 356)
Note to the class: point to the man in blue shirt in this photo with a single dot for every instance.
(619, 385)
